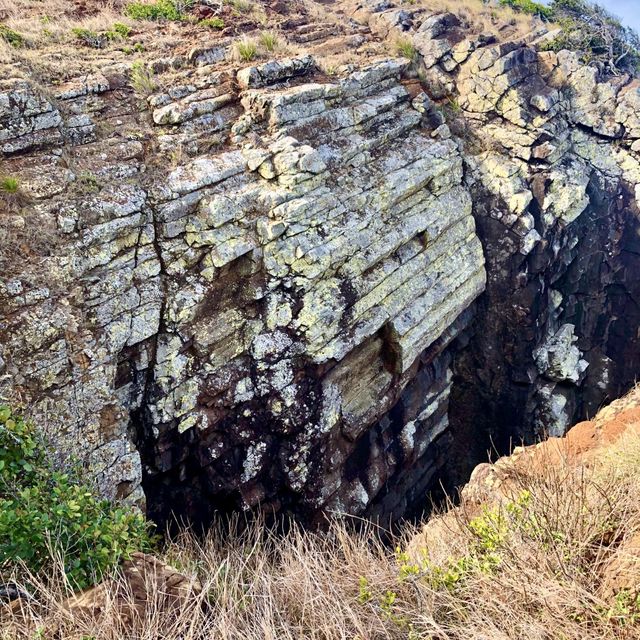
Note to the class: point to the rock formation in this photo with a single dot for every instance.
(277, 288)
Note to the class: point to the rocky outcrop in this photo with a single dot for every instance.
(246, 318)
(281, 290)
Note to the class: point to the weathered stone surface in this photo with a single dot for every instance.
(230, 309)
(274, 71)
(27, 118)
(279, 289)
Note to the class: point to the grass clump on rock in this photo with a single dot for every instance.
(9, 185)
(269, 41)
(406, 49)
(247, 50)
(142, 79)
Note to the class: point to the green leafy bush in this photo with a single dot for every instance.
(212, 23)
(160, 10)
(47, 514)
(530, 7)
(119, 31)
(20, 455)
(99, 40)
(10, 36)
(489, 533)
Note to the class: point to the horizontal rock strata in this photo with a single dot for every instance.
(274, 288)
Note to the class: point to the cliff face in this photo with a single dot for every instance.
(272, 287)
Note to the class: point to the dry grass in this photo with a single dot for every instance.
(51, 51)
(51, 22)
(539, 570)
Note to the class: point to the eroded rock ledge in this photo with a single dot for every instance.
(263, 293)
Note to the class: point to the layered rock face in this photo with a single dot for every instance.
(269, 286)
(248, 316)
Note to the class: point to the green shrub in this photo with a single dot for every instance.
(98, 40)
(530, 7)
(119, 31)
(9, 185)
(159, 10)
(489, 533)
(20, 455)
(14, 38)
(603, 40)
(212, 23)
(47, 514)
(138, 47)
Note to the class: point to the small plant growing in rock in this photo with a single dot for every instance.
(212, 23)
(142, 79)
(88, 182)
(9, 185)
(119, 31)
(454, 105)
(138, 47)
(269, 40)
(247, 50)
(405, 48)
(11, 37)
(12, 199)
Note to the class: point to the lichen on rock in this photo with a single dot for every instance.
(283, 288)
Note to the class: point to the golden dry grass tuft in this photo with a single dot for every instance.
(542, 564)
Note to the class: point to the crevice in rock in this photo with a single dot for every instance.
(499, 398)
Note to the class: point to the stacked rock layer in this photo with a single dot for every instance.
(273, 288)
